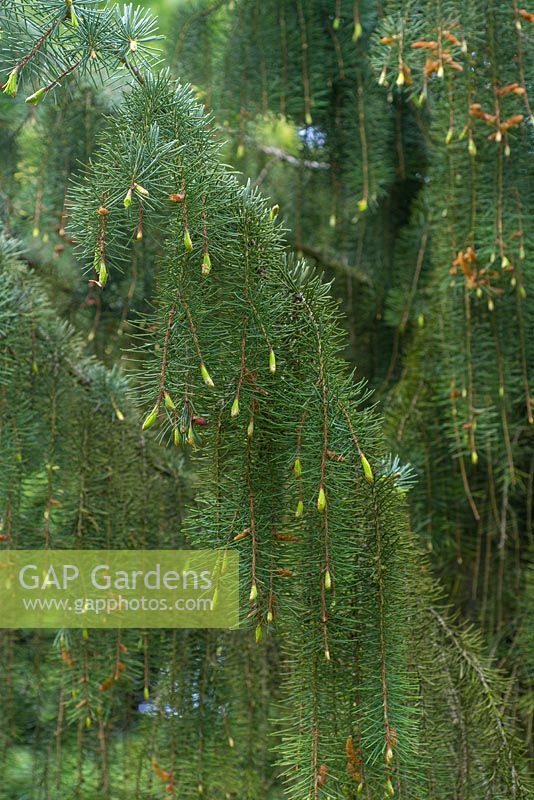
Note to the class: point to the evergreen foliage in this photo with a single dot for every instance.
(446, 306)
(353, 674)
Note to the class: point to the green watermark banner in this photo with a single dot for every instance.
(119, 589)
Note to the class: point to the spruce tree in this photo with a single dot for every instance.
(231, 420)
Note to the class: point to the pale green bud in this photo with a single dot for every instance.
(150, 419)
(11, 86)
(358, 30)
(73, 18)
(206, 376)
(37, 97)
(169, 402)
(102, 274)
(206, 265)
(367, 471)
(190, 436)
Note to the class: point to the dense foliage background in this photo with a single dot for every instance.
(349, 369)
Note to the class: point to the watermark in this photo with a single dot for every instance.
(119, 589)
